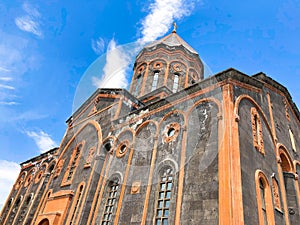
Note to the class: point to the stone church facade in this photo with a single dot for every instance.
(174, 149)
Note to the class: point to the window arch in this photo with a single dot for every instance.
(264, 199)
(165, 187)
(175, 82)
(71, 169)
(138, 84)
(276, 194)
(289, 187)
(110, 203)
(17, 203)
(6, 209)
(24, 209)
(155, 80)
(44, 222)
(257, 131)
(76, 204)
(292, 138)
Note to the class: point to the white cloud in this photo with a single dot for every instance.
(162, 14)
(98, 45)
(8, 174)
(9, 103)
(31, 21)
(6, 78)
(4, 69)
(42, 140)
(7, 87)
(114, 71)
(16, 57)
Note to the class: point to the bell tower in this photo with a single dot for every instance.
(164, 67)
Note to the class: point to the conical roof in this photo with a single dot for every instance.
(172, 40)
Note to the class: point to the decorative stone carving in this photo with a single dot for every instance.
(258, 141)
(59, 167)
(90, 157)
(135, 188)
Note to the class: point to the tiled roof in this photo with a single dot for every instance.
(172, 40)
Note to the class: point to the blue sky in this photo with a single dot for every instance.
(46, 47)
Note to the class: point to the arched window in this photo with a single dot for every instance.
(44, 222)
(276, 193)
(17, 203)
(262, 188)
(289, 184)
(138, 84)
(155, 80)
(109, 208)
(77, 201)
(257, 131)
(7, 208)
(292, 138)
(72, 165)
(24, 208)
(264, 200)
(164, 197)
(176, 82)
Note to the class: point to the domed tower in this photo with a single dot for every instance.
(164, 67)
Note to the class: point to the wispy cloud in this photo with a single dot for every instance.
(4, 69)
(42, 140)
(159, 20)
(6, 78)
(162, 14)
(8, 174)
(7, 87)
(9, 103)
(30, 22)
(114, 71)
(98, 45)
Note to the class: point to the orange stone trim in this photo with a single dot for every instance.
(100, 187)
(65, 180)
(257, 131)
(71, 211)
(120, 152)
(276, 194)
(259, 110)
(166, 73)
(297, 179)
(96, 99)
(152, 164)
(181, 174)
(259, 175)
(200, 92)
(281, 149)
(224, 165)
(123, 187)
(92, 116)
(91, 122)
(145, 77)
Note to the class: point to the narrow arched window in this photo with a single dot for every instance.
(292, 138)
(76, 204)
(71, 169)
(138, 84)
(276, 194)
(176, 82)
(109, 208)
(24, 208)
(164, 197)
(258, 141)
(155, 80)
(263, 201)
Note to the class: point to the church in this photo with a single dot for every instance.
(173, 149)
